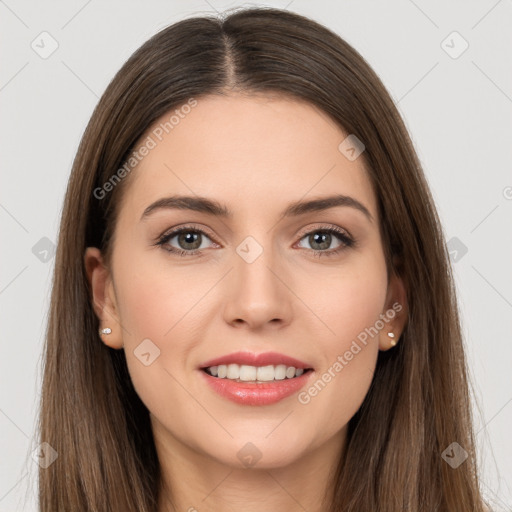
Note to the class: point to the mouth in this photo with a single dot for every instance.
(250, 385)
(255, 374)
(249, 367)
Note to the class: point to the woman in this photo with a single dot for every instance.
(253, 306)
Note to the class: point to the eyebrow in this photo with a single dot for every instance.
(212, 207)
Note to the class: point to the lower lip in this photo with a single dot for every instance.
(264, 393)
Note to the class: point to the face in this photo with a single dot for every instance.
(310, 285)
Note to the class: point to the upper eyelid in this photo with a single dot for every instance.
(171, 233)
(306, 231)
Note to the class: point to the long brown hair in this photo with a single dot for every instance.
(418, 403)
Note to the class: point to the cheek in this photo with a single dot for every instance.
(159, 303)
(350, 309)
(164, 302)
(156, 300)
(348, 299)
(359, 303)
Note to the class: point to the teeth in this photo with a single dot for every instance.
(254, 373)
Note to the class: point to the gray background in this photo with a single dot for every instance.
(458, 111)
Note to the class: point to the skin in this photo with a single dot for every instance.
(255, 154)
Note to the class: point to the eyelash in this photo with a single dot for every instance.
(346, 241)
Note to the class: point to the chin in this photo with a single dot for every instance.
(260, 449)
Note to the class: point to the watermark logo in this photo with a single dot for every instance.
(44, 45)
(44, 250)
(249, 455)
(147, 352)
(454, 45)
(456, 249)
(454, 455)
(249, 249)
(44, 455)
(351, 147)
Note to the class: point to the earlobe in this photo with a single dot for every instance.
(103, 298)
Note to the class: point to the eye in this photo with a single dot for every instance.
(189, 240)
(321, 239)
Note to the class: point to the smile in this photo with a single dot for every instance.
(247, 373)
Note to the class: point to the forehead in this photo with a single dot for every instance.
(250, 151)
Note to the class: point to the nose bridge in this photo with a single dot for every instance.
(256, 294)
(253, 263)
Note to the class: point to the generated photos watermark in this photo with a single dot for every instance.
(304, 397)
(151, 142)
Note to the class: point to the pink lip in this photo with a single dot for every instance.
(264, 393)
(264, 359)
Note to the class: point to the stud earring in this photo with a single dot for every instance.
(106, 330)
(392, 336)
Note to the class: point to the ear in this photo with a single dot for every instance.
(103, 297)
(396, 311)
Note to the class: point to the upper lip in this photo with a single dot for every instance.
(250, 359)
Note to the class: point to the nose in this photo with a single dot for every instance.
(257, 293)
